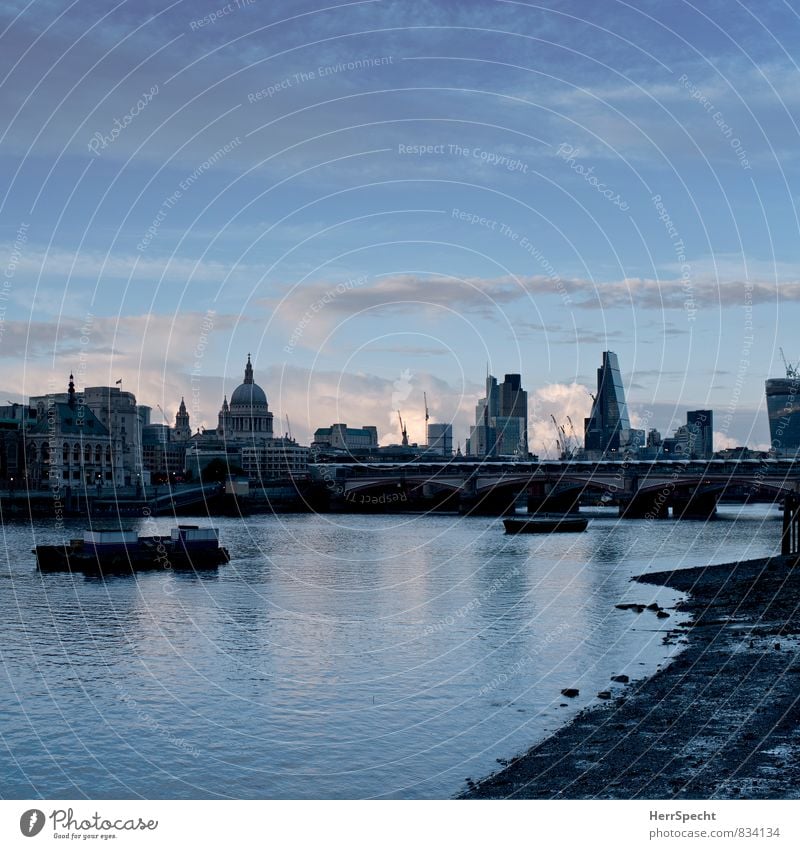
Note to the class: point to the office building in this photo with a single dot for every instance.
(609, 417)
(501, 420)
(700, 424)
(783, 409)
(351, 440)
(440, 439)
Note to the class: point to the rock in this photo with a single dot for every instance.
(662, 614)
(654, 606)
(630, 606)
(620, 679)
(777, 646)
(570, 692)
(604, 694)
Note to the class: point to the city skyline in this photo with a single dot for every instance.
(338, 210)
(506, 397)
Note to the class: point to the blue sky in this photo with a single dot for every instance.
(379, 198)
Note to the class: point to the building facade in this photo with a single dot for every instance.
(700, 424)
(340, 437)
(440, 439)
(119, 414)
(69, 445)
(163, 456)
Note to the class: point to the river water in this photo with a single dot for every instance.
(334, 657)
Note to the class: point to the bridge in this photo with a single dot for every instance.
(164, 499)
(640, 488)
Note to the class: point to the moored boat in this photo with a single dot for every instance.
(124, 551)
(545, 525)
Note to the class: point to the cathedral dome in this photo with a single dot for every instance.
(248, 394)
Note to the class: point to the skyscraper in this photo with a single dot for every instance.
(440, 439)
(783, 409)
(701, 424)
(609, 414)
(501, 420)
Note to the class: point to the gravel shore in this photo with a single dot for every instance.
(721, 721)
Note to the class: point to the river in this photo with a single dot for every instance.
(336, 656)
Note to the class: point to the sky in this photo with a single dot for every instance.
(382, 199)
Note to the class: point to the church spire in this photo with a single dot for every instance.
(248, 371)
(71, 391)
(183, 429)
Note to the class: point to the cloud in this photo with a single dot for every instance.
(315, 307)
(559, 400)
(154, 355)
(94, 265)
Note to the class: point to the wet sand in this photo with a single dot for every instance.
(721, 721)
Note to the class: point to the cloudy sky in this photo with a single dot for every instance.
(382, 198)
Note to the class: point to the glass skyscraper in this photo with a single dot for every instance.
(609, 415)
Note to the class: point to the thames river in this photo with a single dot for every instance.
(334, 657)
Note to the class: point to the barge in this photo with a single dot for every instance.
(124, 551)
(546, 525)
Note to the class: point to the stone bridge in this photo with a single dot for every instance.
(640, 488)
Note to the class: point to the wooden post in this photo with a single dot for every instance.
(790, 536)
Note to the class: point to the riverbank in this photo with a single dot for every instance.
(721, 721)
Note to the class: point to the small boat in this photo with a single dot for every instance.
(123, 552)
(546, 524)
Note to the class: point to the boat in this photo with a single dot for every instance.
(545, 524)
(124, 551)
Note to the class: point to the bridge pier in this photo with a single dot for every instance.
(697, 505)
(493, 503)
(554, 501)
(647, 505)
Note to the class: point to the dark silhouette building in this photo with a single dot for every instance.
(609, 417)
(700, 424)
(501, 420)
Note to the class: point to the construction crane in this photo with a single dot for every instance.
(425, 398)
(288, 427)
(791, 371)
(403, 429)
(576, 445)
(163, 413)
(572, 429)
(559, 446)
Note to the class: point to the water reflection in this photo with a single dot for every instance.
(334, 657)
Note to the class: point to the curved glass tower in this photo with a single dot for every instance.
(609, 417)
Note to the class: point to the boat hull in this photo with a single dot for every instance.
(546, 525)
(148, 554)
